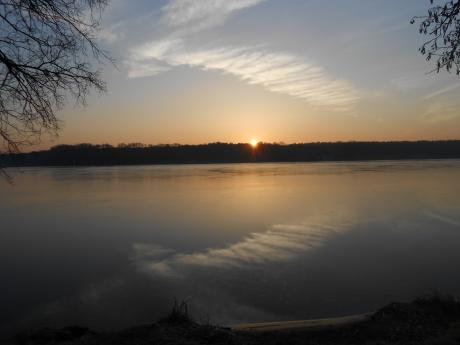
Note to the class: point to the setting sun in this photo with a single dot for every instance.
(253, 143)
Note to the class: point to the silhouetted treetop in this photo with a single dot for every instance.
(442, 26)
(128, 154)
(46, 52)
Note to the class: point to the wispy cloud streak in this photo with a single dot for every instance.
(202, 14)
(442, 91)
(438, 112)
(277, 72)
(443, 218)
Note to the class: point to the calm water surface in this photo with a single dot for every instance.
(110, 247)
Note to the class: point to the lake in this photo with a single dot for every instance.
(109, 247)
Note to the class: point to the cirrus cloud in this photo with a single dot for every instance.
(202, 14)
(276, 71)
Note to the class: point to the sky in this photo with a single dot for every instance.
(197, 71)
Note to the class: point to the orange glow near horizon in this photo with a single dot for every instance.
(253, 143)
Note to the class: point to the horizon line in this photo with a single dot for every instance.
(279, 143)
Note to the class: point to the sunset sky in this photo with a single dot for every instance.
(196, 71)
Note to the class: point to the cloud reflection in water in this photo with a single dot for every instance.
(282, 242)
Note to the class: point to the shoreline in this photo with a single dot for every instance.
(218, 153)
(233, 163)
(309, 324)
(431, 320)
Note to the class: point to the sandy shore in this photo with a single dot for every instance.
(314, 324)
(430, 320)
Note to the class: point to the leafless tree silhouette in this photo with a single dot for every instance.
(47, 53)
(442, 25)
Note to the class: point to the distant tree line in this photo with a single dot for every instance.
(136, 153)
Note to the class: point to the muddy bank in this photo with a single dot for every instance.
(428, 320)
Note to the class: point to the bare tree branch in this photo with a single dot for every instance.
(442, 25)
(47, 51)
